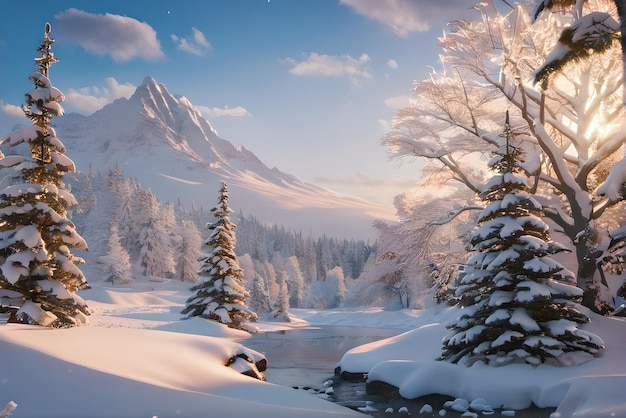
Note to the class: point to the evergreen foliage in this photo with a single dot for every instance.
(36, 237)
(262, 250)
(155, 255)
(116, 263)
(189, 251)
(220, 295)
(282, 306)
(516, 306)
(259, 300)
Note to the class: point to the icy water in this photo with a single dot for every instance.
(305, 359)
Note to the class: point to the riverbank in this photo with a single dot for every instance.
(290, 353)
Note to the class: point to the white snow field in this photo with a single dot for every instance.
(137, 358)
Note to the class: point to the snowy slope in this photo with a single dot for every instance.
(138, 359)
(163, 142)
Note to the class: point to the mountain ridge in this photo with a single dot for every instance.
(163, 142)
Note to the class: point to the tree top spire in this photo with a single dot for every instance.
(47, 58)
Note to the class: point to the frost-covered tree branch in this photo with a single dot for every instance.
(570, 127)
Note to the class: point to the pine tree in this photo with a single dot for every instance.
(220, 295)
(188, 252)
(155, 254)
(87, 197)
(516, 303)
(116, 264)
(35, 234)
(282, 305)
(259, 300)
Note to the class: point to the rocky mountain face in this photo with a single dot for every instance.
(160, 140)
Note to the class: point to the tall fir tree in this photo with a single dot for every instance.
(516, 302)
(116, 263)
(281, 309)
(155, 254)
(36, 237)
(188, 252)
(259, 300)
(220, 295)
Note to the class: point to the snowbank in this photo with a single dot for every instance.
(593, 389)
(138, 359)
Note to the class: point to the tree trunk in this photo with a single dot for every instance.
(588, 280)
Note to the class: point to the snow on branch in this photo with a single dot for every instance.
(592, 33)
(456, 213)
(613, 186)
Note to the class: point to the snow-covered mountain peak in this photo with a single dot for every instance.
(162, 141)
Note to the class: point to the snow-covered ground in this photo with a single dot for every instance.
(138, 359)
(594, 389)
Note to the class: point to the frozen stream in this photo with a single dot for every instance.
(308, 356)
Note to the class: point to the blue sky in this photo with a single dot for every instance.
(309, 86)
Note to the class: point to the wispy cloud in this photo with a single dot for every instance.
(217, 112)
(195, 44)
(392, 64)
(399, 102)
(121, 37)
(406, 16)
(87, 100)
(332, 66)
(394, 103)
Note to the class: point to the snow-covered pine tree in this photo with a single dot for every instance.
(259, 300)
(188, 252)
(87, 197)
(220, 295)
(35, 235)
(281, 309)
(116, 263)
(155, 254)
(515, 299)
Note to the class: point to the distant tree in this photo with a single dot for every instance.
(155, 255)
(295, 283)
(188, 252)
(259, 300)
(281, 310)
(123, 211)
(87, 197)
(220, 295)
(116, 263)
(330, 292)
(35, 235)
(515, 300)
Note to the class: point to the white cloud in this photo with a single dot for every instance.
(121, 37)
(406, 16)
(11, 110)
(196, 44)
(398, 102)
(332, 66)
(216, 112)
(385, 124)
(11, 116)
(393, 64)
(87, 100)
